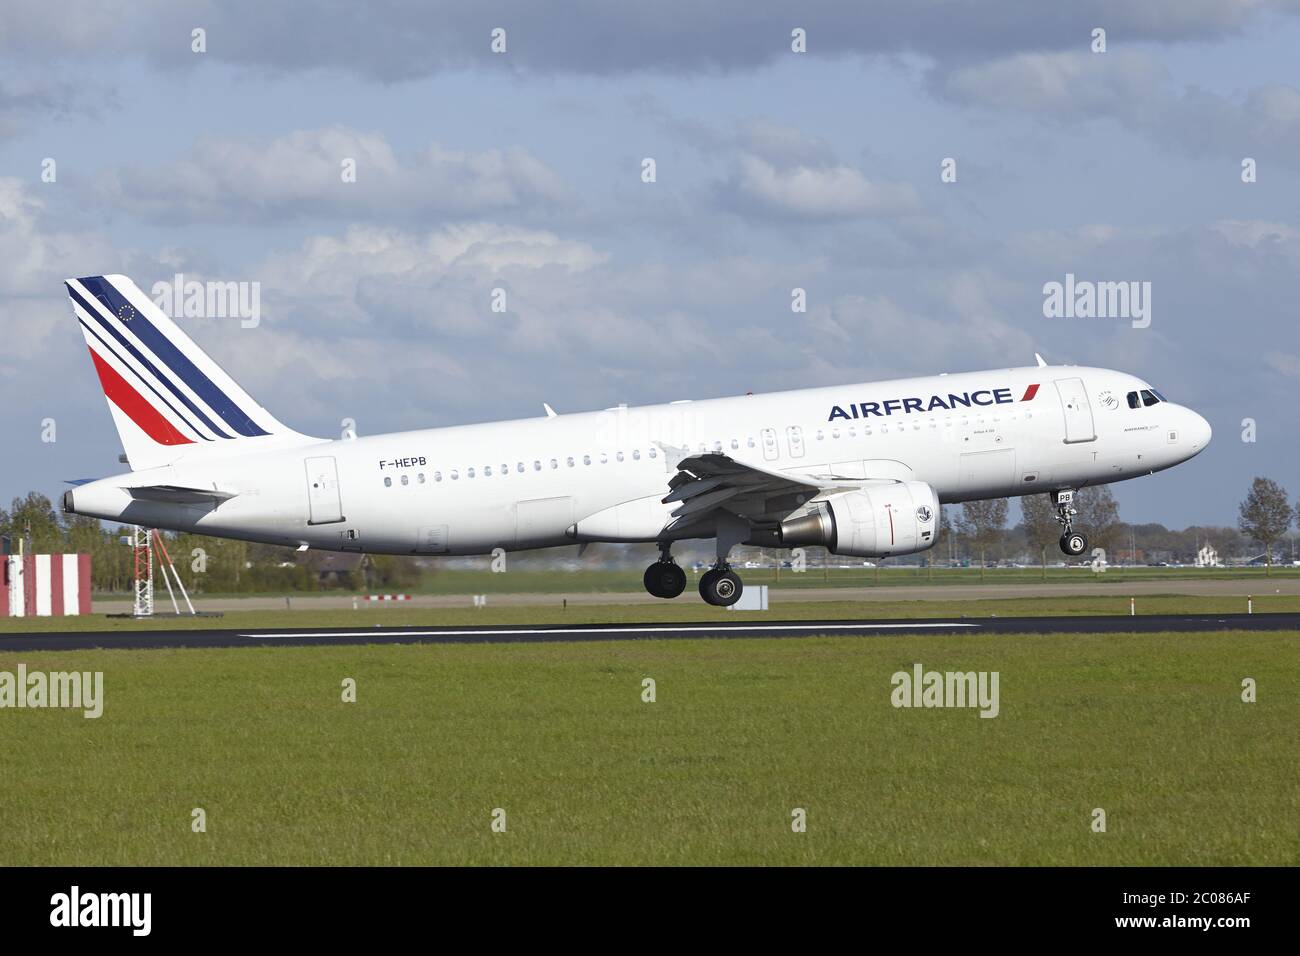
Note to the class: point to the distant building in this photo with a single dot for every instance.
(335, 568)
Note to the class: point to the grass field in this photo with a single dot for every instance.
(1149, 727)
(688, 610)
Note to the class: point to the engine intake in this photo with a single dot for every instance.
(897, 518)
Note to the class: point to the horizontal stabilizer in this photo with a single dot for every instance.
(175, 494)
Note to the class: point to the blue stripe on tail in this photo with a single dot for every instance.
(172, 357)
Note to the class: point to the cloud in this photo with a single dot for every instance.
(394, 40)
(1132, 89)
(28, 97)
(36, 255)
(301, 174)
(832, 191)
(1065, 85)
(779, 172)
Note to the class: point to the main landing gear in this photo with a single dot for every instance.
(1074, 543)
(721, 586)
(664, 579)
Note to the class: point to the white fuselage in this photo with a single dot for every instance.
(532, 483)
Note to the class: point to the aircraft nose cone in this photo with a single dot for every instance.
(1199, 431)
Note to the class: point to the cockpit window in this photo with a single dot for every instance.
(1145, 398)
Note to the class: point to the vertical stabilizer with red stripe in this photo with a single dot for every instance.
(168, 398)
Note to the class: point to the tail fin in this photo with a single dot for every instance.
(168, 398)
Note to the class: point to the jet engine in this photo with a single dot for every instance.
(896, 518)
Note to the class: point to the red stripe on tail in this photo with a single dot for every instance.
(121, 394)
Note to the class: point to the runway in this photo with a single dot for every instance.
(699, 630)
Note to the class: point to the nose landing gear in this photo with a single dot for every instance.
(1073, 543)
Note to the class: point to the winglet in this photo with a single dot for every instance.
(550, 412)
(1039, 359)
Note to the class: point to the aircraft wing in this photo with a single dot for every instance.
(713, 481)
(708, 482)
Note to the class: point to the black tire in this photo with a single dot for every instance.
(1074, 543)
(663, 579)
(721, 588)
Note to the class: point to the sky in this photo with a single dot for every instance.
(775, 170)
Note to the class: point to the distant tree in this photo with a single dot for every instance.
(1265, 515)
(942, 537)
(982, 522)
(1098, 517)
(1039, 524)
(34, 515)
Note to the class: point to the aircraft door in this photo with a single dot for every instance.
(323, 502)
(1078, 413)
(770, 447)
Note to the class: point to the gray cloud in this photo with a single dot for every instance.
(820, 191)
(301, 174)
(402, 39)
(1131, 88)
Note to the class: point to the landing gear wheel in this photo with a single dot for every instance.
(721, 587)
(1074, 543)
(664, 579)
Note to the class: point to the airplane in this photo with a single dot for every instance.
(861, 470)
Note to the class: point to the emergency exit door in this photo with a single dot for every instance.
(323, 502)
(1078, 412)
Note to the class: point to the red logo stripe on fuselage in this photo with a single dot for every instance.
(121, 394)
(1030, 392)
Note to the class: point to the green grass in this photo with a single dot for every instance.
(688, 608)
(1149, 727)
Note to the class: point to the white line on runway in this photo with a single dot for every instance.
(625, 629)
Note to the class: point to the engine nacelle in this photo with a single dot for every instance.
(897, 518)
